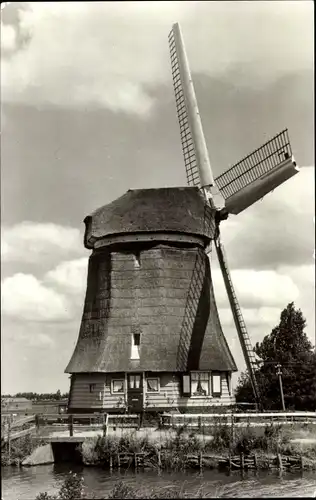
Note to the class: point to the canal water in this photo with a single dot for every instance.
(26, 483)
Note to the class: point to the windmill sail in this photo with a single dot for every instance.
(257, 174)
(199, 173)
(196, 159)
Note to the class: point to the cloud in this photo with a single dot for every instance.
(8, 38)
(277, 231)
(255, 289)
(71, 276)
(31, 241)
(26, 298)
(110, 53)
(262, 316)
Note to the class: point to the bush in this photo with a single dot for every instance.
(122, 490)
(221, 437)
(71, 489)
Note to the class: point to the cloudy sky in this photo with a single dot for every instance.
(88, 112)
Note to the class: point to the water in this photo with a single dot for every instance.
(26, 483)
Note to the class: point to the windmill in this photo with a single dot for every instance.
(238, 188)
(150, 336)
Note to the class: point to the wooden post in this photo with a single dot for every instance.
(242, 461)
(302, 462)
(71, 425)
(279, 461)
(159, 459)
(200, 460)
(105, 424)
(255, 461)
(9, 441)
(233, 429)
(37, 423)
(118, 460)
(111, 462)
(135, 461)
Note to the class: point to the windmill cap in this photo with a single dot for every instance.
(169, 210)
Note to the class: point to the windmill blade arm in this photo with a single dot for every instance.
(258, 174)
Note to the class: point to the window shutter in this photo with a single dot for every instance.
(186, 385)
(216, 384)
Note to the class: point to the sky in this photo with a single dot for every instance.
(87, 112)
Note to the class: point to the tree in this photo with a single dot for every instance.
(288, 345)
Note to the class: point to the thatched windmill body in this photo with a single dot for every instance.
(150, 336)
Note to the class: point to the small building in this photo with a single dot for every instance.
(49, 406)
(150, 337)
(15, 405)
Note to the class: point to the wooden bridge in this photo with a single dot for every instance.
(60, 427)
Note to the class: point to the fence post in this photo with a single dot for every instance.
(37, 423)
(159, 459)
(9, 442)
(242, 461)
(71, 425)
(200, 460)
(105, 424)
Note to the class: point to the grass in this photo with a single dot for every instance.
(217, 441)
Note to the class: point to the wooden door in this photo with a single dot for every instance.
(135, 395)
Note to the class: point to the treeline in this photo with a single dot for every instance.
(55, 396)
(287, 345)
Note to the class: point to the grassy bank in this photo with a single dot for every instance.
(20, 449)
(172, 452)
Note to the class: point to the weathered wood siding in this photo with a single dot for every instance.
(100, 397)
(168, 397)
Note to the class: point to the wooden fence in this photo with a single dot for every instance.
(235, 419)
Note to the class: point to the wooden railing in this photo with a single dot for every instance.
(49, 423)
(237, 419)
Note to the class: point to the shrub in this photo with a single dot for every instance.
(71, 489)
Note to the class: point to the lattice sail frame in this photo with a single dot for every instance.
(255, 165)
(187, 142)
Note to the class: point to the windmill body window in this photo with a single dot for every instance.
(134, 381)
(152, 384)
(135, 346)
(118, 386)
(200, 384)
(91, 387)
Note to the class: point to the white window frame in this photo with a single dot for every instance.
(158, 383)
(208, 385)
(135, 350)
(92, 387)
(112, 386)
(129, 380)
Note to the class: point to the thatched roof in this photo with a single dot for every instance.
(164, 210)
(149, 297)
